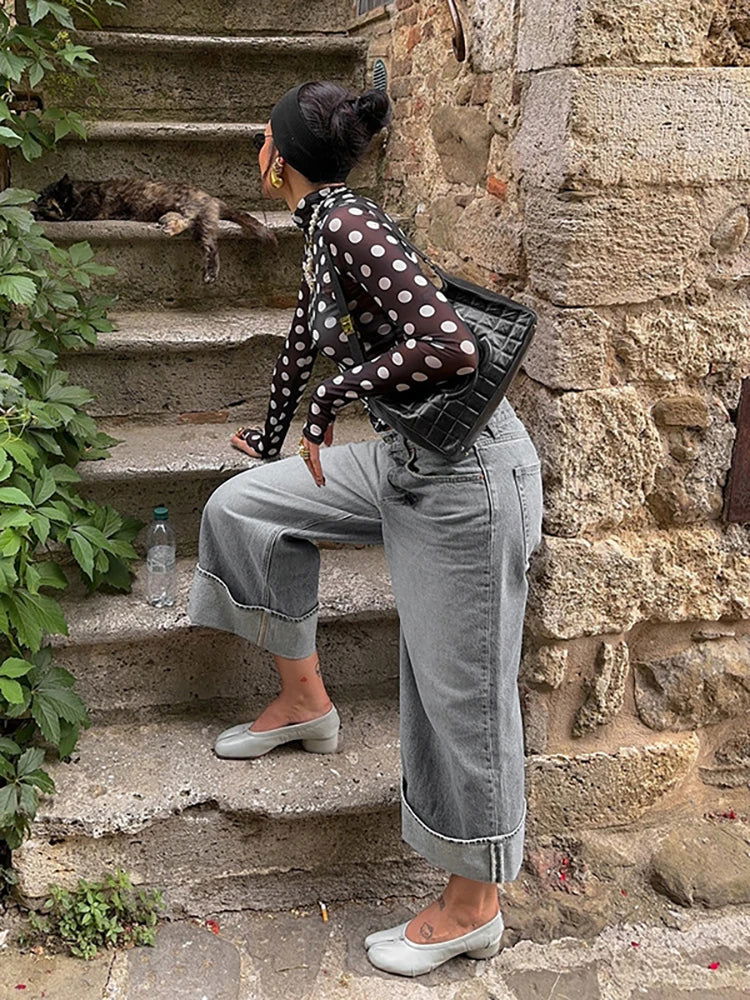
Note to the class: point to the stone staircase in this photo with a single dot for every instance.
(144, 789)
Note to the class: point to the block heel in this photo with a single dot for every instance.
(488, 952)
(329, 745)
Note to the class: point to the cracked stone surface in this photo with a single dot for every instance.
(275, 956)
(189, 962)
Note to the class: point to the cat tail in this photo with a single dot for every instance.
(248, 222)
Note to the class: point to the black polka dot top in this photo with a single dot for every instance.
(408, 330)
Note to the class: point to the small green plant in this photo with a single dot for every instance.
(107, 914)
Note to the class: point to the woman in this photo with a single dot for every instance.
(457, 536)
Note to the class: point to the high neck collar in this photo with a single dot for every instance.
(306, 204)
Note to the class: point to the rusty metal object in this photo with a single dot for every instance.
(737, 506)
(458, 40)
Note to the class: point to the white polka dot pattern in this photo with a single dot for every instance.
(390, 299)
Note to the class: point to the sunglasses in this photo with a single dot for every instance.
(259, 140)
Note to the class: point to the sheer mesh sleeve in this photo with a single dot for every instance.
(438, 344)
(291, 371)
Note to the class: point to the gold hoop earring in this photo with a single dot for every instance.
(276, 179)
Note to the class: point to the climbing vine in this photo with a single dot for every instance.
(49, 534)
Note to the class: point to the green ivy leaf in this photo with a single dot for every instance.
(11, 494)
(40, 525)
(12, 66)
(57, 511)
(10, 542)
(8, 577)
(9, 138)
(83, 552)
(15, 519)
(31, 578)
(22, 452)
(65, 702)
(14, 667)
(11, 690)
(8, 804)
(50, 575)
(40, 779)
(16, 288)
(80, 253)
(68, 737)
(34, 615)
(44, 487)
(29, 761)
(35, 75)
(64, 474)
(16, 196)
(45, 716)
(28, 800)
(30, 148)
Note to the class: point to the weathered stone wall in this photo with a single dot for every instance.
(593, 158)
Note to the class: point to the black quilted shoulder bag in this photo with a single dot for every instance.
(448, 417)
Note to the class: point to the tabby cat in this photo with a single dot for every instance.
(173, 207)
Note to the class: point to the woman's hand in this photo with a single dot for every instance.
(313, 462)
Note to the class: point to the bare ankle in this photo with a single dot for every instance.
(469, 909)
(306, 700)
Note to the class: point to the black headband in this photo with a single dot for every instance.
(304, 150)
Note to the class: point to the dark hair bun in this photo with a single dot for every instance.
(374, 110)
(347, 121)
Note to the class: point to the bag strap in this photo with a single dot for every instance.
(347, 324)
(435, 267)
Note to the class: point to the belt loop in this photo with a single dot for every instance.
(490, 425)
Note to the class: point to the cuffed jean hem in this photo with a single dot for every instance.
(211, 604)
(486, 859)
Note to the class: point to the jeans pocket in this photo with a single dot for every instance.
(427, 466)
(528, 480)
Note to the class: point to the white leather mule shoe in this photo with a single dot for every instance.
(406, 958)
(319, 735)
(389, 934)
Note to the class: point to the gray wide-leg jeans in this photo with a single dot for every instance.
(457, 538)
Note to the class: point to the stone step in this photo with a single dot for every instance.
(150, 76)
(167, 365)
(228, 16)
(157, 271)
(181, 465)
(180, 366)
(231, 834)
(133, 662)
(215, 156)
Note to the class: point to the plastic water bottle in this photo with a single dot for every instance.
(160, 560)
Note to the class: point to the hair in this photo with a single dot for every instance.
(347, 121)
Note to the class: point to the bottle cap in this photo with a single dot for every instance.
(161, 513)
